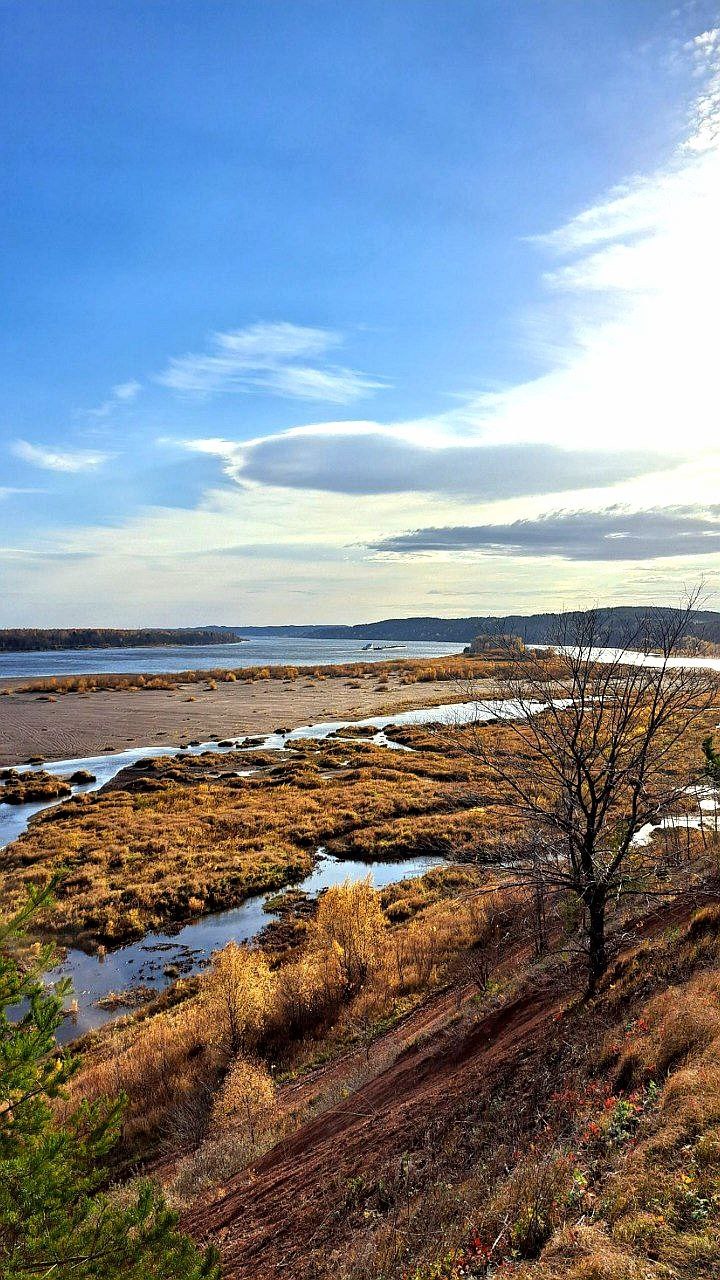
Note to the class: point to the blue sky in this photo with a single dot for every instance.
(335, 309)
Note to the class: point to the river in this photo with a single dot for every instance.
(260, 651)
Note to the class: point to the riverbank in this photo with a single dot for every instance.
(86, 724)
(171, 838)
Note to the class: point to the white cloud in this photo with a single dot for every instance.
(122, 393)
(10, 491)
(215, 446)
(635, 285)
(52, 459)
(352, 458)
(126, 390)
(286, 359)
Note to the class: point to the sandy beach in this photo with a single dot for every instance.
(84, 724)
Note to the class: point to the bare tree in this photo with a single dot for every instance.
(594, 737)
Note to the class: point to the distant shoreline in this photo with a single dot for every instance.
(160, 644)
(18, 640)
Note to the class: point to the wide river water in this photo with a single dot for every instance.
(260, 651)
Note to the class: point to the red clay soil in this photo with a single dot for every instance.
(268, 1219)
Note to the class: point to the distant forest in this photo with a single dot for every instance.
(33, 639)
(618, 622)
(538, 628)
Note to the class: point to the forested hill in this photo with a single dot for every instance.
(536, 628)
(33, 639)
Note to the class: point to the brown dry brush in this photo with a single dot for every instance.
(603, 759)
(598, 1158)
(353, 971)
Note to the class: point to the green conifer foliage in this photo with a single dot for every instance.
(58, 1220)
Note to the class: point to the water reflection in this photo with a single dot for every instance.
(145, 963)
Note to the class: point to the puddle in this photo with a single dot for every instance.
(706, 817)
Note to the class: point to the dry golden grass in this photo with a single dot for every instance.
(24, 788)
(186, 835)
(612, 1181)
(409, 671)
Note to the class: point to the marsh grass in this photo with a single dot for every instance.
(184, 835)
(406, 670)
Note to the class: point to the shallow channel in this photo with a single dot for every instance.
(187, 949)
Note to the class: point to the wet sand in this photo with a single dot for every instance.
(84, 724)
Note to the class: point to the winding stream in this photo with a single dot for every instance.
(159, 957)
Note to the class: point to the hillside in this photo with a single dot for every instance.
(526, 1135)
(537, 628)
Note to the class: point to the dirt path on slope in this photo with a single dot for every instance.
(268, 1219)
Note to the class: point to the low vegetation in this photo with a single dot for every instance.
(24, 788)
(252, 1014)
(179, 836)
(408, 671)
(589, 1150)
(612, 1172)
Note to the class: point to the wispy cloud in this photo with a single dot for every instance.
(122, 393)
(39, 556)
(612, 534)
(286, 359)
(51, 459)
(11, 491)
(126, 390)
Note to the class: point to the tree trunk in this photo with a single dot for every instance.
(597, 950)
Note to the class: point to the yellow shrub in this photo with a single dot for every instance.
(309, 992)
(246, 1100)
(237, 994)
(350, 923)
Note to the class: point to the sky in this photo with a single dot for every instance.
(336, 310)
